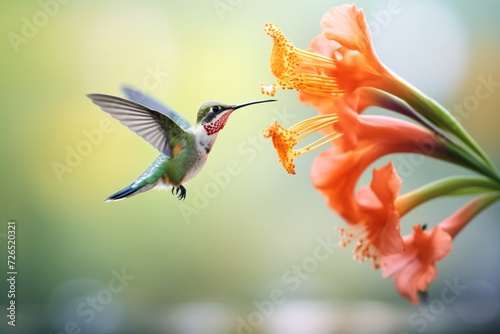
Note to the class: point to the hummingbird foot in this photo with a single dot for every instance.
(180, 192)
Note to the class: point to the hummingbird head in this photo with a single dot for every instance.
(213, 115)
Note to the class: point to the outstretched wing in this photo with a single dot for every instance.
(156, 128)
(149, 102)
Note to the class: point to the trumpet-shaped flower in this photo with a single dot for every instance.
(371, 212)
(377, 226)
(365, 138)
(339, 61)
(342, 60)
(415, 268)
(341, 123)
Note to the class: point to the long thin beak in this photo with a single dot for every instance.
(237, 106)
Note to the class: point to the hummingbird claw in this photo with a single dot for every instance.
(180, 192)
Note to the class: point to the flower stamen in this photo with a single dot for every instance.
(298, 69)
(363, 250)
(284, 140)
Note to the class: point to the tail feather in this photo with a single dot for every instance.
(149, 179)
(131, 190)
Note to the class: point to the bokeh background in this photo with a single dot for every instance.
(213, 263)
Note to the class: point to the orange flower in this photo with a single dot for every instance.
(339, 61)
(371, 213)
(415, 268)
(377, 225)
(346, 25)
(340, 75)
(365, 138)
(339, 121)
(342, 60)
(356, 60)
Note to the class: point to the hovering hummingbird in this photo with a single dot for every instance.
(184, 148)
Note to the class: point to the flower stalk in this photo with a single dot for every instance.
(436, 113)
(451, 186)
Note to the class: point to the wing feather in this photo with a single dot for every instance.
(149, 102)
(153, 126)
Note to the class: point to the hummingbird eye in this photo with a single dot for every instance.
(216, 108)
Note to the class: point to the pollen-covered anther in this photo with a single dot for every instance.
(344, 233)
(284, 140)
(363, 250)
(268, 90)
(299, 69)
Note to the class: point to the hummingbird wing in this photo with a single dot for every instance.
(141, 98)
(156, 128)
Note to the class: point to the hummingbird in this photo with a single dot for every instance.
(183, 148)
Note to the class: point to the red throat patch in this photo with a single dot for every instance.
(218, 125)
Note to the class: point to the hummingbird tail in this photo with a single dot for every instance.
(131, 190)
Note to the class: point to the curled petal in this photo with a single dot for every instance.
(386, 184)
(377, 223)
(346, 25)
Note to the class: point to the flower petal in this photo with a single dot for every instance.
(386, 183)
(346, 25)
(324, 46)
(390, 241)
(380, 215)
(405, 281)
(391, 264)
(441, 243)
(415, 268)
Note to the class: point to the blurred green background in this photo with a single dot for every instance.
(245, 223)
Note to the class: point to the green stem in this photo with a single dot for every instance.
(435, 113)
(448, 186)
(463, 154)
(398, 105)
(471, 161)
